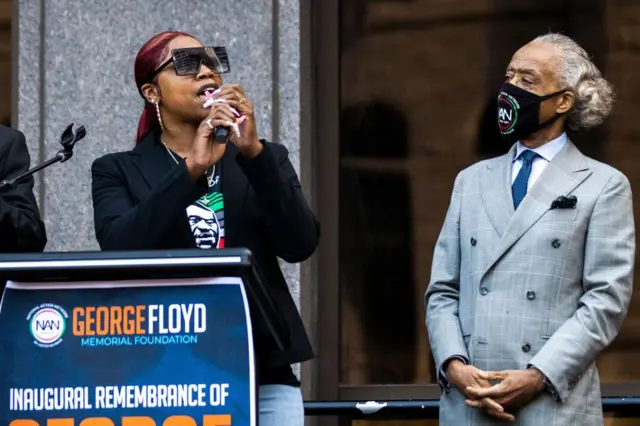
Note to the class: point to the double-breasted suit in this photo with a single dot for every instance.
(534, 287)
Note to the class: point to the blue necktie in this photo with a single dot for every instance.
(519, 187)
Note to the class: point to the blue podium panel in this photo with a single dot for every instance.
(127, 353)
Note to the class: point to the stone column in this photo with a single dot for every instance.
(75, 64)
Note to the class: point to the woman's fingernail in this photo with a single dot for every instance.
(235, 112)
(241, 119)
(208, 103)
(215, 92)
(236, 130)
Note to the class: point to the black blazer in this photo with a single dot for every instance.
(21, 229)
(140, 199)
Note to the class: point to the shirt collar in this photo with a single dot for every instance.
(546, 151)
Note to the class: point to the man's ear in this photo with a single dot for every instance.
(150, 93)
(566, 101)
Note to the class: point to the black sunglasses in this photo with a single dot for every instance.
(188, 61)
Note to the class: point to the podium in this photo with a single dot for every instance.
(132, 338)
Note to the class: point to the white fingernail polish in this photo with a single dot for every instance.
(208, 103)
(236, 129)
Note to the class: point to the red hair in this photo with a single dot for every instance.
(148, 59)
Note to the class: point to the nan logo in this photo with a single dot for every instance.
(507, 113)
(47, 324)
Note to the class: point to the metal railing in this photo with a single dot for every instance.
(428, 409)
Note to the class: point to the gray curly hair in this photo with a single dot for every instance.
(595, 96)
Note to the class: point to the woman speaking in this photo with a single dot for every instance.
(179, 188)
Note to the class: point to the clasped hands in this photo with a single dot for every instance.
(514, 388)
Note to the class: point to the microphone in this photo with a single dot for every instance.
(68, 140)
(222, 134)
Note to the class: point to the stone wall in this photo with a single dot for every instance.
(6, 65)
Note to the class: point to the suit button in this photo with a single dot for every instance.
(531, 295)
(473, 241)
(526, 348)
(556, 243)
(484, 291)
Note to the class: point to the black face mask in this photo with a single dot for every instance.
(519, 112)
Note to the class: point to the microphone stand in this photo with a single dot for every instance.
(67, 140)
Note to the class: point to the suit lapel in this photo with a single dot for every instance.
(234, 190)
(563, 174)
(152, 160)
(495, 191)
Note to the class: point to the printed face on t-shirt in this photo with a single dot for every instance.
(204, 226)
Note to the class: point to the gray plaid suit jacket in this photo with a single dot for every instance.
(534, 287)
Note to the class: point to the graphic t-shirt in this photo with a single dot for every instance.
(206, 216)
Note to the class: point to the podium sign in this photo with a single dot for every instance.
(127, 353)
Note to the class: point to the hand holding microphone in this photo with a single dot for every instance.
(205, 151)
(229, 109)
(225, 119)
(234, 112)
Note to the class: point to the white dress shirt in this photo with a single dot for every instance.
(545, 153)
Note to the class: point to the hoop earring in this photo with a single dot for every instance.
(159, 116)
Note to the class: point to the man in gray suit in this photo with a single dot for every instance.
(533, 270)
